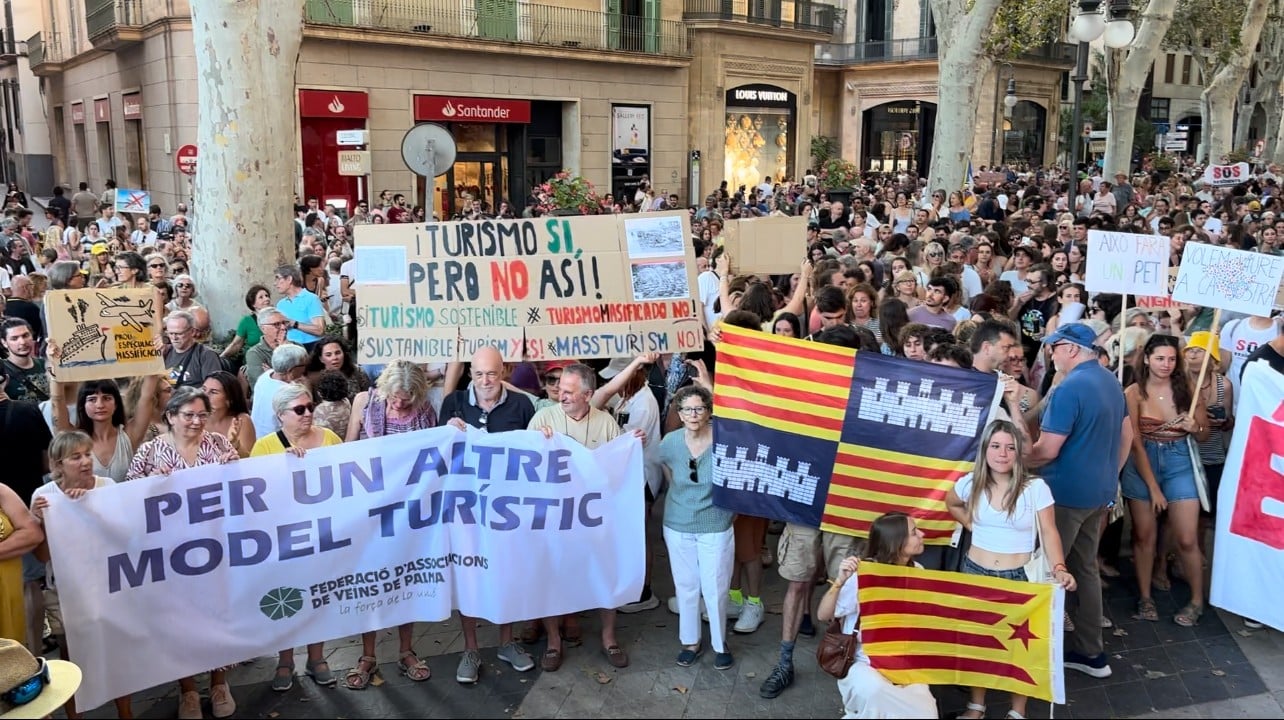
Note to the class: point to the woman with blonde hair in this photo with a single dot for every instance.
(148, 400)
(1009, 512)
(72, 466)
(398, 404)
(185, 299)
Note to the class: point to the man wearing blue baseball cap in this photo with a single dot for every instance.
(1085, 425)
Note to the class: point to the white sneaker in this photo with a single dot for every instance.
(1252, 624)
(733, 610)
(673, 607)
(750, 618)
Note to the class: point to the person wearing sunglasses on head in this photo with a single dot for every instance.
(33, 687)
(294, 408)
(698, 534)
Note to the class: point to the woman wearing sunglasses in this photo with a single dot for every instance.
(698, 534)
(294, 407)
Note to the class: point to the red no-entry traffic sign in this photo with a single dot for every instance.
(186, 159)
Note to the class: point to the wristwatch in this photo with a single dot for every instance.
(294, 324)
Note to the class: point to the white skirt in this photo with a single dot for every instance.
(867, 694)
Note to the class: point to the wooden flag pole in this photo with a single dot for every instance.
(1123, 320)
(1203, 367)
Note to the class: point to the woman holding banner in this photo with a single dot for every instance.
(398, 404)
(1007, 511)
(293, 406)
(894, 539)
(187, 444)
(1160, 473)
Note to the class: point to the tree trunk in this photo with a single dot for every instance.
(962, 62)
(1243, 122)
(1222, 91)
(1274, 150)
(246, 52)
(1201, 150)
(1124, 95)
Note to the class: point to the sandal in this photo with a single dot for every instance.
(1147, 611)
(972, 707)
(532, 633)
(1014, 715)
(283, 681)
(616, 656)
(1161, 582)
(320, 673)
(551, 661)
(417, 671)
(358, 678)
(1189, 615)
(573, 636)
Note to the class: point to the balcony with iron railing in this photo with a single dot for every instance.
(925, 48)
(112, 24)
(44, 54)
(804, 15)
(506, 21)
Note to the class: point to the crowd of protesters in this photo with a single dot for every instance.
(1096, 421)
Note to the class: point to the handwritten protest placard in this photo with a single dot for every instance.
(766, 245)
(103, 333)
(1236, 280)
(1126, 263)
(1165, 301)
(592, 286)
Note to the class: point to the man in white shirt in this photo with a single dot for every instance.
(143, 234)
(108, 223)
(766, 189)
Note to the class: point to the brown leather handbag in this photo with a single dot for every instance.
(836, 651)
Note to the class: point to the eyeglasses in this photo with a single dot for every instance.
(280, 324)
(300, 410)
(552, 379)
(194, 416)
(693, 411)
(29, 689)
(692, 465)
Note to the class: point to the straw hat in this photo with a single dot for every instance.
(32, 687)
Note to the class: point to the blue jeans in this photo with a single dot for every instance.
(1171, 465)
(971, 568)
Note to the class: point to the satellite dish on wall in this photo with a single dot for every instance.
(428, 149)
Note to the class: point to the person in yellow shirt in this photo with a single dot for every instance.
(294, 407)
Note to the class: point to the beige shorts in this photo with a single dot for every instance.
(804, 549)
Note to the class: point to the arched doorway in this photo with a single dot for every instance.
(1194, 129)
(1025, 134)
(897, 137)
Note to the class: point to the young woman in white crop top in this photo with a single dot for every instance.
(1000, 503)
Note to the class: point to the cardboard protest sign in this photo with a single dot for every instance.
(766, 245)
(573, 287)
(104, 333)
(1163, 302)
(133, 201)
(1126, 263)
(1237, 280)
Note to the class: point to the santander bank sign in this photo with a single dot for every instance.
(444, 108)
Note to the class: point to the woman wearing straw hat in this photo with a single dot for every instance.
(32, 687)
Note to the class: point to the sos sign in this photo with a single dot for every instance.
(1226, 175)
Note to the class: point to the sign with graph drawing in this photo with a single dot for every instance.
(825, 436)
(103, 333)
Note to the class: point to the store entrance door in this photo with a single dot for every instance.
(470, 180)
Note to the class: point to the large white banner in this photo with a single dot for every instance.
(170, 576)
(1248, 556)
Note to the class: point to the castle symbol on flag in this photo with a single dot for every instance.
(738, 472)
(921, 411)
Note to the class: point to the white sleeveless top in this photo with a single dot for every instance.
(120, 459)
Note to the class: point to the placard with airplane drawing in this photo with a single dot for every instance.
(104, 333)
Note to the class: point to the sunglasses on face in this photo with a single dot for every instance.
(301, 410)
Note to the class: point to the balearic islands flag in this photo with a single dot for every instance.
(825, 436)
(946, 628)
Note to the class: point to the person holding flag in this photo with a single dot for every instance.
(1006, 510)
(894, 539)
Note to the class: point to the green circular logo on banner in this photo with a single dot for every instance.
(281, 603)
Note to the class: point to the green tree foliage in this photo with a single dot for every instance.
(1023, 25)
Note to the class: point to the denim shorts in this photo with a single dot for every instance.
(1170, 462)
(971, 568)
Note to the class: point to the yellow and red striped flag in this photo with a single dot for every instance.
(824, 436)
(947, 628)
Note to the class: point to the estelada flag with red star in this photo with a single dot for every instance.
(947, 628)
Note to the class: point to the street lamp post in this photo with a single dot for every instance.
(1009, 102)
(1089, 24)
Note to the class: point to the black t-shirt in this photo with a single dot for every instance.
(1033, 319)
(24, 439)
(1265, 352)
(514, 413)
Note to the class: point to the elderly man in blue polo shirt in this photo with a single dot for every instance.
(301, 307)
(490, 407)
(1084, 442)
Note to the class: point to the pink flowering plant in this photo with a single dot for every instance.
(567, 192)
